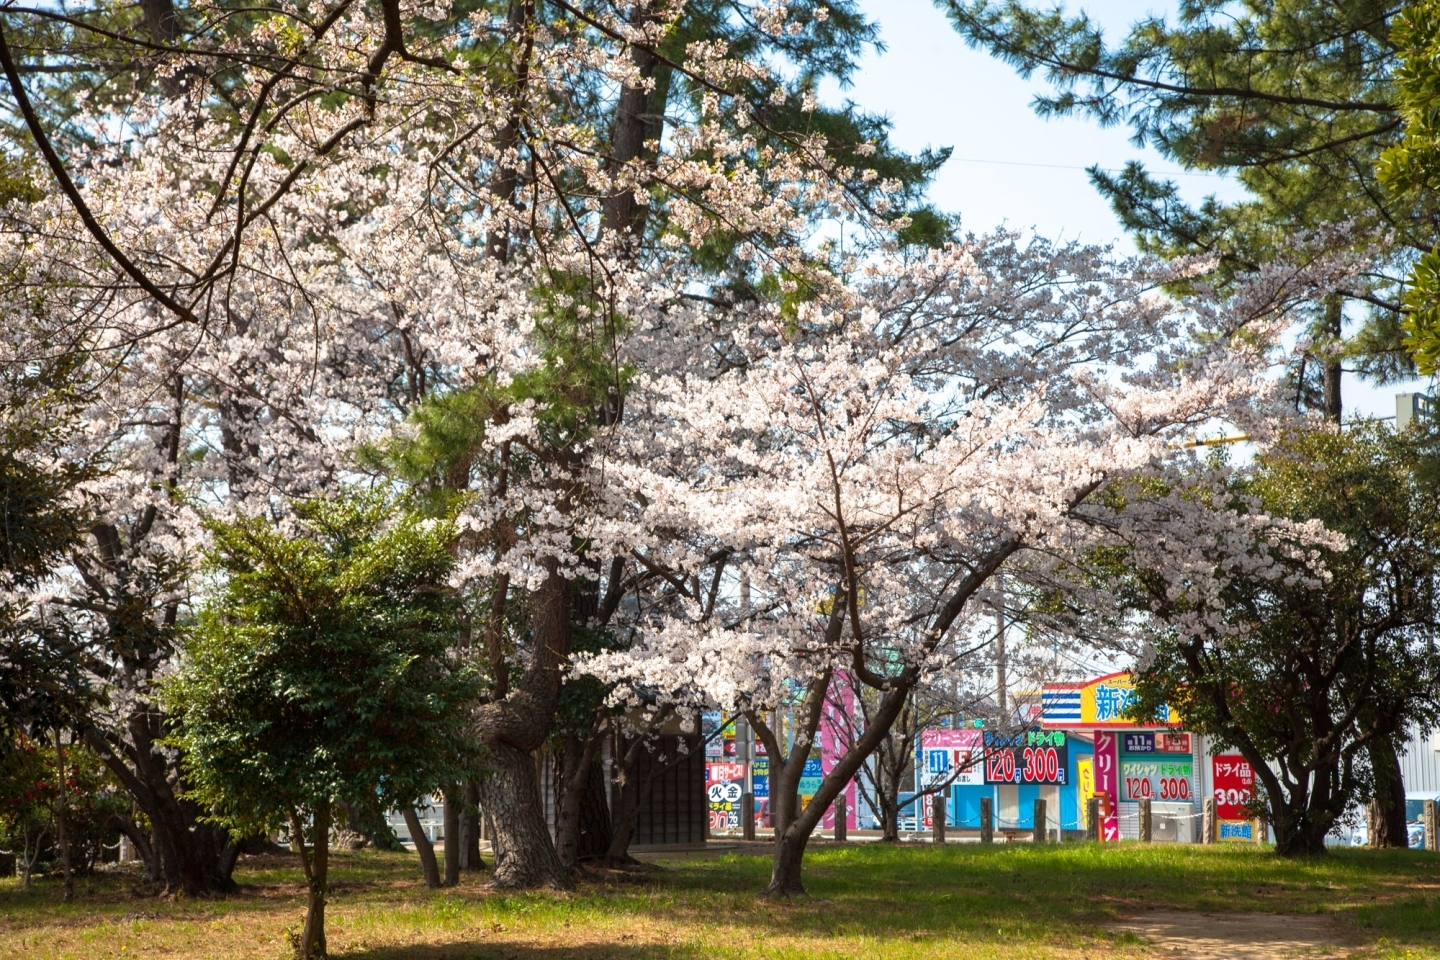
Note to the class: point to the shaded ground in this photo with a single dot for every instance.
(868, 901)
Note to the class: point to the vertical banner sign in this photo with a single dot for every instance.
(1234, 786)
(1085, 769)
(724, 785)
(1107, 766)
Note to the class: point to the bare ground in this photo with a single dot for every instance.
(1235, 936)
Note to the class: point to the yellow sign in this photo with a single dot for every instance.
(1086, 770)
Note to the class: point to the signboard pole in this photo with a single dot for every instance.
(937, 819)
(987, 821)
(1146, 829)
(1430, 816)
(841, 815)
(1039, 825)
(1092, 818)
(1207, 822)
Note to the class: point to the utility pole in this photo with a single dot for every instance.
(1000, 648)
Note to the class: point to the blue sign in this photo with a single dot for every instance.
(1139, 743)
(1237, 830)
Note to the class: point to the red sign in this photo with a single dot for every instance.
(1107, 764)
(1234, 786)
(1110, 829)
(1172, 742)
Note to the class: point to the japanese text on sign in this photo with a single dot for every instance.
(1234, 786)
(1034, 756)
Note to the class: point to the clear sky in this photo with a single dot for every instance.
(1009, 166)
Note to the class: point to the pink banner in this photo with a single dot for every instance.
(1107, 766)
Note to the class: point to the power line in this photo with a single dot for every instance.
(1061, 166)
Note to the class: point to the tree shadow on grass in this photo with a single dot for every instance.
(499, 951)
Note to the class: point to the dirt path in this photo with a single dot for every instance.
(1234, 936)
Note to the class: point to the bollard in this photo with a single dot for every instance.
(1430, 816)
(747, 816)
(987, 821)
(1038, 826)
(841, 815)
(1207, 822)
(1147, 829)
(937, 818)
(1092, 818)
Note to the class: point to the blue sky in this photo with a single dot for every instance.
(1009, 166)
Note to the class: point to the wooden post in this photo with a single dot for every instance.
(937, 818)
(841, 814)
(987, 821)
(1092, 818)
(1207, 822)
(1430, 816)
(1147, 829)
(747, 816)
(1038, 826)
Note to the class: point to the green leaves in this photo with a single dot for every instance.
(319, 667)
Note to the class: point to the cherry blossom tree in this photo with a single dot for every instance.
(872, 455)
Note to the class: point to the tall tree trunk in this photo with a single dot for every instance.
(60, 832)
(889, 796)
(577, 762)
(1331, 370)
(453, 839)
(510, 730)
(316, 865)
(424, 848)
(1388, 827)
(594, 839)
(470, 824)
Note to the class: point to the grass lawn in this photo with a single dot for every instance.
(867, 901)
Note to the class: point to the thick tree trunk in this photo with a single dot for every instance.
(785, 879)
(61, 834)
(524, 854)
(194, 859)
(1387, 826)
(424, 848)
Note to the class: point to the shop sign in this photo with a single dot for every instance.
(810, 778)
(1235, 831)
(1157, 780)
(1234, 785)
(942, 752)
(1110, 829)
(1085, 771)
(1145, 743)
(1103, 702)
(724, 786)
(1032, 756)
(760, 778)
(1107, 765)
